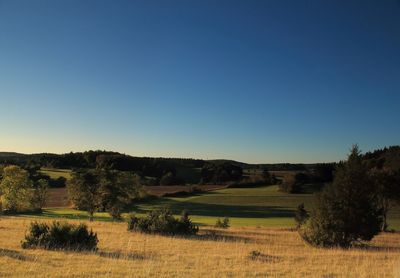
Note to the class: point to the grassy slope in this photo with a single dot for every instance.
(262, 206)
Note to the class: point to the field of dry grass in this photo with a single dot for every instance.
(213, 253)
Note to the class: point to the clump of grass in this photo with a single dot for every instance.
(60, 235)
(224, 224)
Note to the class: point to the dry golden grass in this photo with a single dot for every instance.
(225, 254)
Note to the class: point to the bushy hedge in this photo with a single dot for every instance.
(60, 235)
(163, 222)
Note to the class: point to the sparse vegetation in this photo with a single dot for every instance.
(224, 224)
(163, 222)
(60, 236)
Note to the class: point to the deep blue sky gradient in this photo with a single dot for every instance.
(256, 81)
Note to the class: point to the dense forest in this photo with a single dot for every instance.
(175, 170)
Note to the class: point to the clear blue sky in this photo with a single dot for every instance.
(256, 81)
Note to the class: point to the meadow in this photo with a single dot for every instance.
(246, 207)
(238, 252)
(56, 173)
(261, 242)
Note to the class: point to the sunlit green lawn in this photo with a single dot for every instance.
(262, 206)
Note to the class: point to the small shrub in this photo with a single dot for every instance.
(163, 222)
(60, 236)
(254, 255)
(300, 216)
(224, 224)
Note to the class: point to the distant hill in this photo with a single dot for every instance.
(11, 154)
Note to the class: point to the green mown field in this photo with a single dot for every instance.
(261, 206)
(56, 173)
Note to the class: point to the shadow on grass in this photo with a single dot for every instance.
(264, 258)
(212, 235)
(218, 210)
(14, 255)
(69, 216)
(366, 247)
(122, 256)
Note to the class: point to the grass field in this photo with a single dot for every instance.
(260, 206)
(56, 173)
(281, 253)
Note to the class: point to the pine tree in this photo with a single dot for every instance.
(346, 211)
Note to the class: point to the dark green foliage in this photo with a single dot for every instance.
(59, 235)
(58, 183)
(224, 224)
(117, 190)
(163, 222)
(84, 191)
(103, 190)
(387, 159)
(220, 173)
(39, 195)
(171, 179)
(16, 189)
(387, 184)
(293, 183)
(323, 172)
(346, 211)
(300, 216)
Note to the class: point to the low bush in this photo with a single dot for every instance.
(163, 222)
(224, 224)
(60, 235)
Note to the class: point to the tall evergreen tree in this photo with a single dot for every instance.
(347, 211)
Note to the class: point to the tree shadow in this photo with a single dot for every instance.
(67, 216)
(213, 236)
(14, 255)
(219, 210)
(366, 247)
(264, 258)
(124, 256)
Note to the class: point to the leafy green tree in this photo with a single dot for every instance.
(346, 211)
(84, 191)
(118, 189)
(39, 196)
(16, 189)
